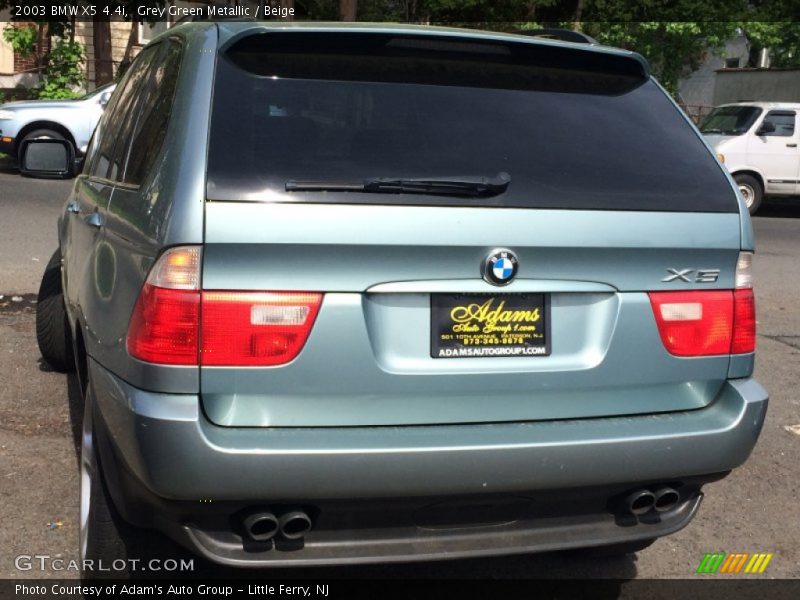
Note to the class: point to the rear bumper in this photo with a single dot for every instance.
(166, 456)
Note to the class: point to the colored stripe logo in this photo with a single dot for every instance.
(735, 562)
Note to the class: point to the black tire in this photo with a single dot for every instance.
(52, 328)
(35, 134)
(107, 534)
(44, 133)
(117, 549)
(40, 133)
(751, 190)
(620, 549)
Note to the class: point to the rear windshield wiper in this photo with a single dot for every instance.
(438, 186)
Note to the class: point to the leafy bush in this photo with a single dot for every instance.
(22, 39)
(63, 73)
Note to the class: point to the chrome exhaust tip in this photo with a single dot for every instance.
(261, 526)
(294, 524)
(640, 502)
(665, 499)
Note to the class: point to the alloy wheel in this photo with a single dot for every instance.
(88, 467)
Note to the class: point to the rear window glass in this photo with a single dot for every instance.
(573, 129)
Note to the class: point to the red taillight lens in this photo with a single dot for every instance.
(705, 323)
(744, 322)
(174, 323)
(694, 323)
(255, 328)
(165, 326)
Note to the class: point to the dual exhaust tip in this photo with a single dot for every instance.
(641, 502)
(262, 526)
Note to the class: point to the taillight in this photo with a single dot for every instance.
(744, 307)
(744, 271)
(706, 323)
(165, 326)
(694, 323)
(744, 320)
(255, 328)
(176, 323)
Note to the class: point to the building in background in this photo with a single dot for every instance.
(728, 78)
(757, 84)
(120, 35)
(696, 92)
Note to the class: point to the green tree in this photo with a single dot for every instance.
(782, 38)
(22, 39)
(27, 41)
(64, 72)
(61, 67)
(500, 15)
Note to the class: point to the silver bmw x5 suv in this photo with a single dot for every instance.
(341, 294)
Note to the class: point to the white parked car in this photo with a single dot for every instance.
(72, 120)
(758, 142)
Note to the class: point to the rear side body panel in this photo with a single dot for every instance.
(167, 209)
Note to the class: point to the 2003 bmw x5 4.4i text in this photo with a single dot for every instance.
(392, 293)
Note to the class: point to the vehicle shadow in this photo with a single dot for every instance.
(8, 165)
(573, 564)
(781, 209)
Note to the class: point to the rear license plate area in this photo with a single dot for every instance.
(490, 325)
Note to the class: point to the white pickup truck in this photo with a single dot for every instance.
(758, 143)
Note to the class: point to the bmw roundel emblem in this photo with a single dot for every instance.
(500, 267)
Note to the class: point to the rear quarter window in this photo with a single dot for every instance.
(114, 133)
(575, 129)
(153, 120)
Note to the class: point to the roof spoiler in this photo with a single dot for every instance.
(317, 51)
(562, 35)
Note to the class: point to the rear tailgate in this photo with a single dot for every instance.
(368, 358)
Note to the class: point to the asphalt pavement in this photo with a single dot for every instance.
(756, 509)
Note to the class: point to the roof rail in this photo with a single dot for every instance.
(562, 35)
(204, 16)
